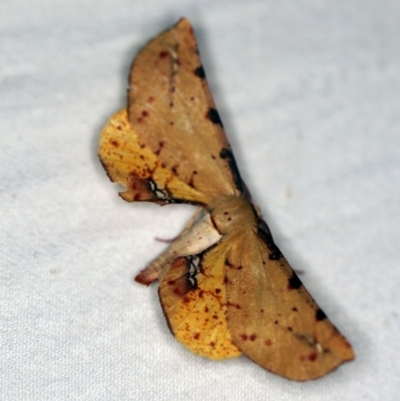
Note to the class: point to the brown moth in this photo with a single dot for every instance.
(225, 287)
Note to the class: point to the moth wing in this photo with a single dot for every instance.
(129, 162)
(271, 316)
(193, 297)
(174, 115)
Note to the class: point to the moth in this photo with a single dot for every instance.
(225, 287)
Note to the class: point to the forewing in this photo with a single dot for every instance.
(129, 162)
(271, 316)
(172, 111)
(193, 297)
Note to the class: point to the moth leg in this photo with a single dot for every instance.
(197, 235)
(185, 229)
(192, 221)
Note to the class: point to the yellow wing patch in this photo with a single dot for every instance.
(193, 297)
(131, 163)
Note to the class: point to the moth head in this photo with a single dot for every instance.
(232, 213)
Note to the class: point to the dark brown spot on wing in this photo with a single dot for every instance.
(226, 154)
(199, 72)
(320, 315)
(214, 117)
(265, 234)
(160, 147)
(233, 305)
(294, 282)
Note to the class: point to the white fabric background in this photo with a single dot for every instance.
(309, 92)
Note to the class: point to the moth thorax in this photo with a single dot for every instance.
(232, 213)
